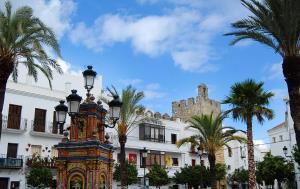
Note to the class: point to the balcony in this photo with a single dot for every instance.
(47, 130)
(14, 124)
(11, 163)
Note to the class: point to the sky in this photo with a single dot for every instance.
(165, 48)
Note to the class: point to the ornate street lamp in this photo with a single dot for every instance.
(285, 150)
(61, 112)
(89, 78)
(73, 102)
(144, 153)
(201, 154)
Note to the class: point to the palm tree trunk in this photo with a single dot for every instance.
(251, 162)
(4, 75)
(122, 141)
(212, 167)
(291, 72)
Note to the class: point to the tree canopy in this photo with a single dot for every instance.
(192, 176)
(131, 171)
(39, 177)
(158, 176)
(275, 167)
(239, 176)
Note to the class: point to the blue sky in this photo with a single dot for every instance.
(163, 47)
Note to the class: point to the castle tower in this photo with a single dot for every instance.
(85, 159)
(185, 109)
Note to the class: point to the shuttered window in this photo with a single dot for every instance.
(12, 150)
(36, 149)
(14, 116)
(39, 120)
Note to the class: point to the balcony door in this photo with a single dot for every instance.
(3, 183)
(14, 116)
(39, 120)
(12, 150)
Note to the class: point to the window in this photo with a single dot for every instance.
(12, 150)
(14, 116)
(228, 167)
(229, 152)
(280, 138)
(36, 149)
(39, 120)
(274, 139)
(14, 184)
(155, 157)
(154, 133)
(175, 161)
(173, 138)
(193, 162)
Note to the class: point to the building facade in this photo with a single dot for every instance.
(29, 128)
(159, 137)
(29, 123)
(236, 157)
(283, 135)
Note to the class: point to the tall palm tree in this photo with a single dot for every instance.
(22, 41)
(248, 100)
(131, 104)
(210, 136)
(276, 23)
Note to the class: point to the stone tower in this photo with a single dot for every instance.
(184, 109)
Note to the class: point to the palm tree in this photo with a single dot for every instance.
(22, 41)
(247, 100)
(276, 23)
(128, 118)
(211, 137)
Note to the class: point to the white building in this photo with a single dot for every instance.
(28, 128)
(236, 157)
(284, 135)
(158, 136)
(28, 121)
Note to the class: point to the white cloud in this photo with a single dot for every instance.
(261, 145)
(151, 90)
(279, 94)
(275, 71)
(54, 13)
(67, 68)
(185, 33)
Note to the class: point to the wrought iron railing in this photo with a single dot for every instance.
(15, 123)
(10, 162)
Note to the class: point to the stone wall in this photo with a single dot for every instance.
(184, 109)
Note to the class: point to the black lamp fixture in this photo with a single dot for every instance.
(61, 112)
(144, 153)
(89, 78)
(74, 100)
(114, 110)
(285, 149)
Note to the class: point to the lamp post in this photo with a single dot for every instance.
(74, 101)
(144, 153)
(285, 151)
(201, 154)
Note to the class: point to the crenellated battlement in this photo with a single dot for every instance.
(184, 109)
